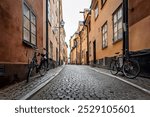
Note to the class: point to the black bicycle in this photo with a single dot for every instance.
(129, 67)
(40, 68)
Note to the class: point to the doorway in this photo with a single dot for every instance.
(94, 52)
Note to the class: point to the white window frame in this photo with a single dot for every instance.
(118, 24)
(105, 35)
(31, 29)
(96, 11)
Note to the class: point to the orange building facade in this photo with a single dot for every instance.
(104, 25)
(73, 47)
(22, 28)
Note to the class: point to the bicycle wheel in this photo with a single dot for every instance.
(43, 68)
(113, 67)
(131, 69)
(29, 73)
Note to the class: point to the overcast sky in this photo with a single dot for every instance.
(72, 16)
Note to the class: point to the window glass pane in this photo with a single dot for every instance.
(49, 12)
(26, 11)
(115, 18)
(115, 36)
(103, 30)
(33, 39)
(96, 11)
(120, 24)
(105, 35)
(33, 29)
(26, 35)
(120, 13)
(115, 28)
(26, 23)
(33, 19)
(106, 28)
(120, 34)
(103, 1)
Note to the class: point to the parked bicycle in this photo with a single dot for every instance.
(129, 67)
(40, 68)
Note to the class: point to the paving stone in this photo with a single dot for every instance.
(18, 90)
(82, 83)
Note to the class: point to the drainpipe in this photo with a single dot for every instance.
(126, 29)
(47, 31)
(87, 43)
(76, 51)
(59, 34)
(80, 47)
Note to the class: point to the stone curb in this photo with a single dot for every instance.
(128, 82)
(27, 96)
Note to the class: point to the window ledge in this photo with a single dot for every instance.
(104, 47)
(103, 4)
(118, 40)
(29, 44)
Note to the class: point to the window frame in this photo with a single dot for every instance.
(117, 24)
(96, 8)
(31, 12)
(103, 3)
(105, 25)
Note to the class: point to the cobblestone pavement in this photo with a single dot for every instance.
(18, 90)
(140, 81)
(82, 83)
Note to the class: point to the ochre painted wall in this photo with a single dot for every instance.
(12, 49)
(105, 14)
(139, 25)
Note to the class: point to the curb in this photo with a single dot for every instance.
(129, 83)
(27, 96)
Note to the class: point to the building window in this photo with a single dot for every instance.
(29, 26)
(51, 50)
(49, 11)
(103, 2)
(104, 35)
(96, 11)
(117, 25)
(75, 43)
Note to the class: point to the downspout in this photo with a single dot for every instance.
(47, 50)
(126, 29)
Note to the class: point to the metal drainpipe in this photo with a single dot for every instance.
(76, 53)
(87, 43)
(59, 32)
(126, 29)
(47, 30)
(80, 47)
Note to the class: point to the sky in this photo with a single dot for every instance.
(71, 15)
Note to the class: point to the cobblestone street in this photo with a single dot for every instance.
(82, 83)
